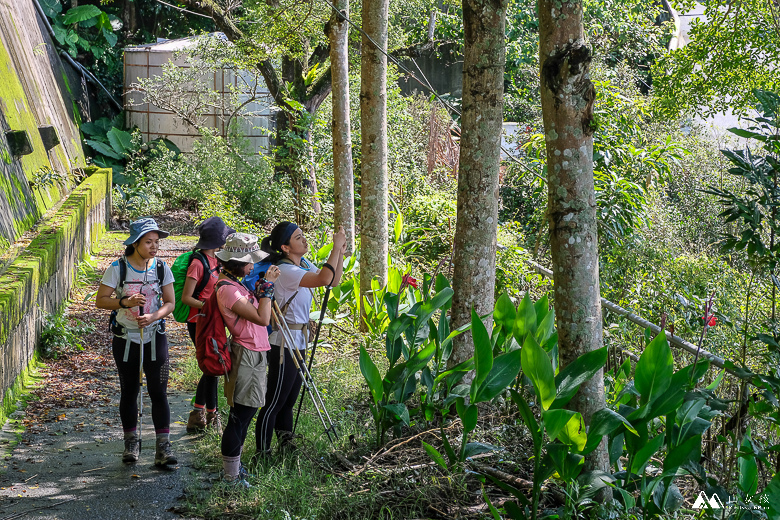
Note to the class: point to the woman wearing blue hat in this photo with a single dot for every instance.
(139, 289)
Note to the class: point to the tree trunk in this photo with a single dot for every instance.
(343, 184)
(373, 170)
(474, 254)
(567, 107)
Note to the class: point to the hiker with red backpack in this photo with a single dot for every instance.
(138, 288)
(246, 314)
(202, 274)
(286, 247)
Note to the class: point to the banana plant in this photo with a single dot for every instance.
(565, 429)
(661, 397)
(492, 376)
(410, 346)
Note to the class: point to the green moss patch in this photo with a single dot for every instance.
(22, 281)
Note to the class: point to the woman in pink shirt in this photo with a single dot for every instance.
(246, 316)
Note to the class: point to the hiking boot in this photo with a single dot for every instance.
(164, 456)
(260, 457)
(197, 421)
(243, 473)
(236, 482)
(287, 442)
(132, 450)
(214, 421)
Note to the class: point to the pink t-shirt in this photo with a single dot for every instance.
(250, 335)
(195, 271)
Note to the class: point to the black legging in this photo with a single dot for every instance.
(156, 382)
(235, 431)
(206, 394)
(283, 388)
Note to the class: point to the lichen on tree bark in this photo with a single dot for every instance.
(474, 254)
(567, 106)
(373, 164)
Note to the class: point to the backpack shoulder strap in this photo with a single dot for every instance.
(160, 271)
(207, 270)
(122, 271)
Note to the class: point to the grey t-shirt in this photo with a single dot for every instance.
(135, 282)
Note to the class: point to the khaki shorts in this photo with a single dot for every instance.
(248, 378)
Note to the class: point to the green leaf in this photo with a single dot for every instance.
(525, 321)
(434, 454)
(528, 418)
(536, 365)
(654, 369)
(103, 149)
(120, 140)
(689, 450)
(478, 448)
(398, 227)
(504, 313)
(605, 422)
(546, 328)
(555, 420)
(483, 352)
(81, 13)
(468, 414)
(542, 307)
(400, 410)
(439, 301)
(51, 8)
(642, 457)
(448, 447)
(502, 374)
(570, 378)
(748, 469)
(371, 375)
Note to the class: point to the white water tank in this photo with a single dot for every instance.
(147, 61)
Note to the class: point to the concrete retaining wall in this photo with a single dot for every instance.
(40, 278)
(34, 93)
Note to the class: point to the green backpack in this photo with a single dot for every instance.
(179, 269)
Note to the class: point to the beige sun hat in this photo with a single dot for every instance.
(241, 247)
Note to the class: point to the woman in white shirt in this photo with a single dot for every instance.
(286, 246)
(144, 296)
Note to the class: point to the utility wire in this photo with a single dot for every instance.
(183, 10)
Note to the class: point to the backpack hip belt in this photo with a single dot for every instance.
(153, 342)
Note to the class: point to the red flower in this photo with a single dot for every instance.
(408, 280)
(713, 320)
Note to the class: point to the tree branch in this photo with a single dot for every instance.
(226, 24)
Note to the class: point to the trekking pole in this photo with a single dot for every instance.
(141, 369)
(308, 382)
(314, 345)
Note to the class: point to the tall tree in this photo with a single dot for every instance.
(567, 108)
(373, 132)
(343, 185)
(474, 254)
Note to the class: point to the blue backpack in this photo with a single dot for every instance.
(258, 271)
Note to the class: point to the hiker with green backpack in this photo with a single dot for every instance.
(196, 274)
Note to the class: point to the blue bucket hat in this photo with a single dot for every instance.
(141, 227)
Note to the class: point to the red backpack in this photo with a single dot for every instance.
(212, 348)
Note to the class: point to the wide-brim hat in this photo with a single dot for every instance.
(141, 227)
(241, 247)
(213, 233)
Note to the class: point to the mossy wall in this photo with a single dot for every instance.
(33, 93)
(40, 278)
